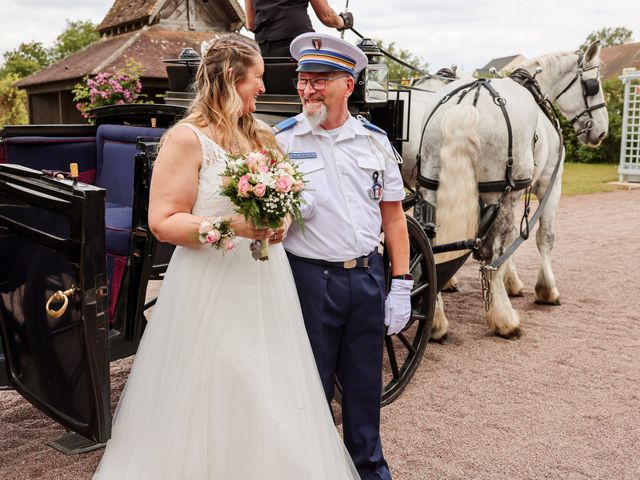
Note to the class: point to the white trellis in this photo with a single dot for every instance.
(629, 169)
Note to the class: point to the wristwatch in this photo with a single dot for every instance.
(404, 276)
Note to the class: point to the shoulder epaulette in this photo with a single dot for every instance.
(367, 124)
(284, 125)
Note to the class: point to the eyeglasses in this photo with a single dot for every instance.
(316, 83)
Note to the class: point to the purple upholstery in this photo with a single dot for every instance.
(116, 149)
(53, 153)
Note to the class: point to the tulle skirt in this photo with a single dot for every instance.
(224, 384)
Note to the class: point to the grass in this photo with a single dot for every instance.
(589, 178)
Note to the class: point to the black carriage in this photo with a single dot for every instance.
(77, 254)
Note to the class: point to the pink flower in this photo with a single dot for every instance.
(282, 166)
(263, 169)
(260, 189)
(227, 244)
(244, 187)
(213, 236)
(204, 227)
(284, 184)
(251, 162)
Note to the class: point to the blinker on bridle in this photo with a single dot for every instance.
(590, 88)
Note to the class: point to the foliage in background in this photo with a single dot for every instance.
(609, 150)
(13, 102)
(107, 88)
(609, 37)
(398, 72)
(28, 58)
(76, 36)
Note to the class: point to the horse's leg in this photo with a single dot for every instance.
(501, 317)
(546, 291)
(440, 324)
(512, 281)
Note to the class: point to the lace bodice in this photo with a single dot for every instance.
(209, 202)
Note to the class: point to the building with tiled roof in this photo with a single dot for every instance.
(502, 64)
(146, 31)
(615, 59)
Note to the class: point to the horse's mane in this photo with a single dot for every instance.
(550, 61)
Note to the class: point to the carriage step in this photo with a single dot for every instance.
(73, 443)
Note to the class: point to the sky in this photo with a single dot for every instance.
(466, 33)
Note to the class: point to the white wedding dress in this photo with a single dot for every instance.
(224, 385)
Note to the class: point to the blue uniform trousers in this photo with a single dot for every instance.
(343, 312)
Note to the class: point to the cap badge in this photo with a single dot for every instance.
(317, 43)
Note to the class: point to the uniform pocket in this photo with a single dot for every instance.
(315, 176)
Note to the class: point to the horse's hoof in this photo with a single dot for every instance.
(444, 339)
(451, 289)
(519, 293)
(555, 302)
(512, 335)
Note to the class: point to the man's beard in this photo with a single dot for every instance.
(317, 117)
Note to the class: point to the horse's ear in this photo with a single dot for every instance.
(593, 52)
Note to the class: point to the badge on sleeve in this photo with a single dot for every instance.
(376, 188)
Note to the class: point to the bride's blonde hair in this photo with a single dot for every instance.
(225, 62)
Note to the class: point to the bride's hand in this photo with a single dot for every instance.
(242, 228)
(278, 235)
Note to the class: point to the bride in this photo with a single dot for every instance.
(224, 384)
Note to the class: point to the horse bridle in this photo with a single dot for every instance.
(590, 88)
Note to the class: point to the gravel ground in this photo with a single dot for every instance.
(562, 402)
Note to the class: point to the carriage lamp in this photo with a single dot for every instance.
(375, 75)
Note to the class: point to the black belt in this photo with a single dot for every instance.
(360, 262)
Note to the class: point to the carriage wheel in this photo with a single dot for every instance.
(405, 350)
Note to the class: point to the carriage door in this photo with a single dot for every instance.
(55, 344)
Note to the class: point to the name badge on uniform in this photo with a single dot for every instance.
(302, 155)
(377, 186)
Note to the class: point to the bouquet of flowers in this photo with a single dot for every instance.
(265, 187)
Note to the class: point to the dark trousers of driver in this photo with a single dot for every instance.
(343, 312)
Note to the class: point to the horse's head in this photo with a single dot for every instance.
(581, 98)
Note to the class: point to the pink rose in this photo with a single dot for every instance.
(227, 244)
(282, 166)
(284, 184)
(263, 169)
(244, 187)
(213, 236)
(204, 227)
(260, 189)
(251, 162)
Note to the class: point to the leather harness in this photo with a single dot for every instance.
(590, 87)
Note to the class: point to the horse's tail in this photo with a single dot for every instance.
(458, 210)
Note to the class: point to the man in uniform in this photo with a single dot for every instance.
(276, 23)
(354, 188)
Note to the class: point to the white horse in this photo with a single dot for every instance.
(464, 145)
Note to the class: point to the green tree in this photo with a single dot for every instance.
(609, 150)
(610, 37)
(13, 102)
(75, 37)
(26, 59)
(398, 72)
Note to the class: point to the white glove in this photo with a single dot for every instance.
(308, 207)
(397, 306)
